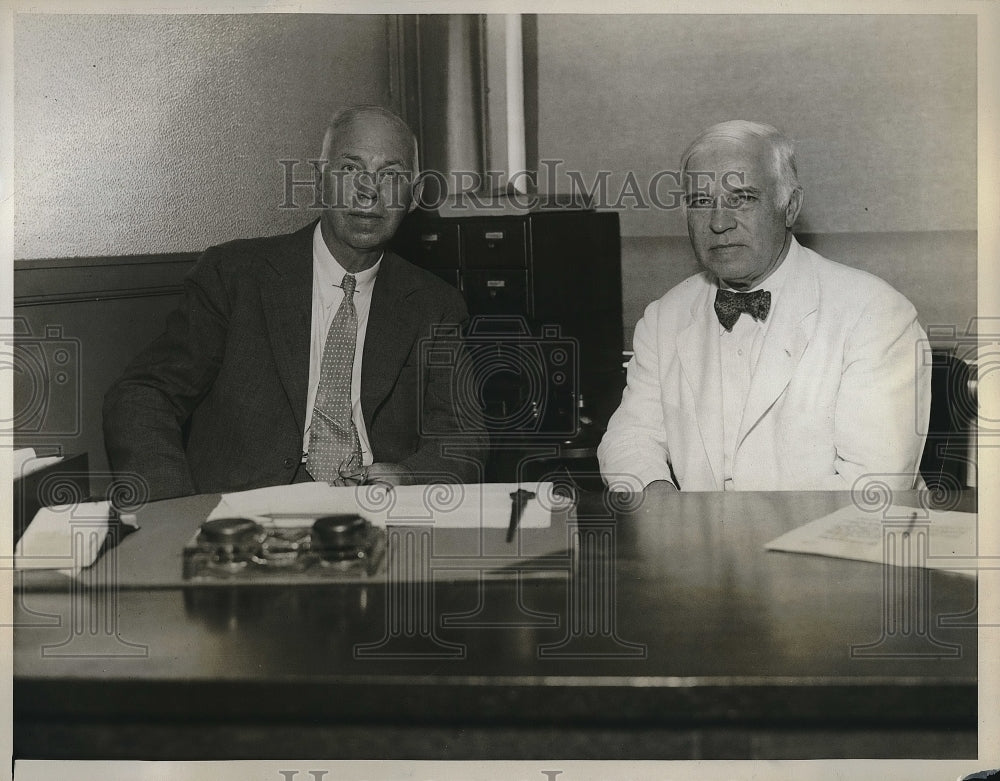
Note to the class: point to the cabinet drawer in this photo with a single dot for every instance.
(432, 246)
(494, 245)
(495, 291)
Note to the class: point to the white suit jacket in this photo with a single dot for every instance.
(840, 389)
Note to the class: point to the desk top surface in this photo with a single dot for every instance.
(674, 609)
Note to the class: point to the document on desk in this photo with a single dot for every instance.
(26, 462)
(443, 506)
(66, 537)
(898, 535)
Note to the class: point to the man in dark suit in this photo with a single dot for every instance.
(255, 371)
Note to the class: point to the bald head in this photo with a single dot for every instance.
(371, 116)
(779, 148)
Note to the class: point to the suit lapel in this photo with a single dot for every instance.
(392, 329)
(286, 296)
(698, 350)
(785, 341)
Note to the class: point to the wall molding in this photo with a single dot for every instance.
(44, 281)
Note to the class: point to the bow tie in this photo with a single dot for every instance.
(729, 305)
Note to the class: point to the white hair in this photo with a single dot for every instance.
(782, 149)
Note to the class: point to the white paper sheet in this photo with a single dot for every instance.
(899, 535)
(26, 462)
(65, 537)
(443, 506)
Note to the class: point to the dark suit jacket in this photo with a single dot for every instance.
(233, 365)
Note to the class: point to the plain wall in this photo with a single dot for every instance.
(101, 312)
(152, 133)
(935, 270)
(882, 110)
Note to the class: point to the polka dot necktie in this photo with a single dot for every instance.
(334, 447)
(729, 305)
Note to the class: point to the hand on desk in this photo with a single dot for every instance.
(380, 472)
(659, 487)
(390, 473)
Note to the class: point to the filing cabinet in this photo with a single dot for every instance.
(557, 273)
(560, 267)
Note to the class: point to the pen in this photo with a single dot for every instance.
(913, 520)
(519, 499)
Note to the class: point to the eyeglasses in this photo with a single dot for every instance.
(739, 199)
(351, 474)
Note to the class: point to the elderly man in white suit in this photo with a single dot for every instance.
(774, 368)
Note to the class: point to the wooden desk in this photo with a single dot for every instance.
(702, 645)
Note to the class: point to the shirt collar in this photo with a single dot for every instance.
(773, 283)
(328, 272)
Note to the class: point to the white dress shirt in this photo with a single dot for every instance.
(327, 295)
(739, 350)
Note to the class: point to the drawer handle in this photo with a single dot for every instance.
(492, 238)
(496, 283)
(429, 237)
